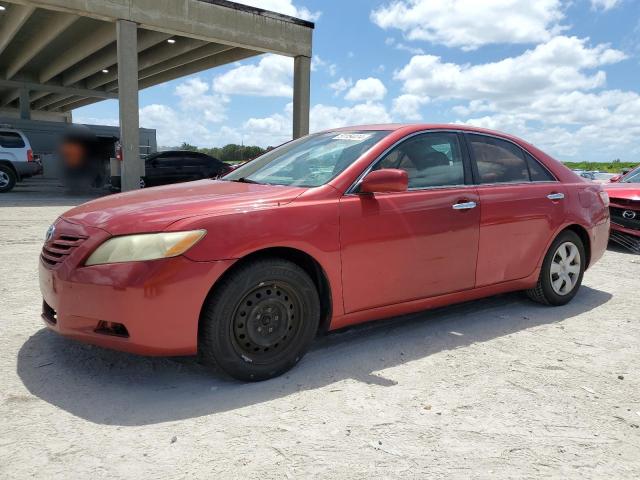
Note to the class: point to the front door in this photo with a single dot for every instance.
(398, 247)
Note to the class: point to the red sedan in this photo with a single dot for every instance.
(329, 230)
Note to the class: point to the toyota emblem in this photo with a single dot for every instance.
(50, 232)
(629, 214)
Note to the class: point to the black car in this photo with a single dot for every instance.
(177, 166)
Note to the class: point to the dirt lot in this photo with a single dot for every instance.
(498, 388)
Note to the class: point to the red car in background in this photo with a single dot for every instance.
(329, 230)
(624, 192)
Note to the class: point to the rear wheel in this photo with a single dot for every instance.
(8, 178)
(562, 271)
(260, 320)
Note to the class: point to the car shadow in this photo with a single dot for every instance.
(114, 388)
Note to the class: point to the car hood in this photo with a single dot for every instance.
(626, 191)
(154, 209)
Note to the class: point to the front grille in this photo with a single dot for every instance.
(57, 250)
(617, 216)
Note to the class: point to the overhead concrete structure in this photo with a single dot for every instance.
(58, 55)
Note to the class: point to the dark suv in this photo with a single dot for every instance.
(177, 166)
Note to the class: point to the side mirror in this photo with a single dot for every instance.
(615, 179)
(385, 180)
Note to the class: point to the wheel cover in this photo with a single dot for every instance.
(565, 268)
(267, 321)
(4, 179)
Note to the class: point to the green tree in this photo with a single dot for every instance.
(189, 147)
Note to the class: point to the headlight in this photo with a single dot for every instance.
(148, 246)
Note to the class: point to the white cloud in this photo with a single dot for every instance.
(276, 129)
(470, 24)
(286, 7)
(341, 85)
(401, 46)
(272, 76)
(318, 63)
(407, 107)
(367, 89)
(194, 95)
(323, 117)
(604, 4)
(559, 65)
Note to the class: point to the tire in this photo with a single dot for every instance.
(8, 178)
(560, 287)
(260, 320)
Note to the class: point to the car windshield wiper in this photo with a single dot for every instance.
(242, 180)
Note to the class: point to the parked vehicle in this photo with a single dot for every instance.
(16, 159)
(177, 166)
(326, 231)
(625, 210)
(599, 177)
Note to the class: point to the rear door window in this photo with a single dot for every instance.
(11, 140)
(537, 171)
(498, 161)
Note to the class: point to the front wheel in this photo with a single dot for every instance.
(561, 272)
(260, 320)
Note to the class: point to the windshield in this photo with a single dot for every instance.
(310, 161)
(632, 177)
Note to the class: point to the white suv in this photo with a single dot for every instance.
(16, 158)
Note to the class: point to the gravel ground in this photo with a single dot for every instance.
(497, 388)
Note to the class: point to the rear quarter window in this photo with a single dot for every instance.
(11, 140)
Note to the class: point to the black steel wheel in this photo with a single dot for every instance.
(260, 320)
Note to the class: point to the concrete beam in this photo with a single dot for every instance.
(213, 61)
(52, 88)
(109, 57)
(202, 53)
(97, 40)
(12, 23)
(301, 95)
(59, 23)
(233, 55)
(59, 101)
(149, 58)
(209, 20)
(132, 163)
(51, 100)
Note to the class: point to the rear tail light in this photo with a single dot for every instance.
(29, 155)
(118, 151)
(604, 196)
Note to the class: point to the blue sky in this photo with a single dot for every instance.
(561, 74)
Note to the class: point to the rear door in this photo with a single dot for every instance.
(403, 246)
(522, 206)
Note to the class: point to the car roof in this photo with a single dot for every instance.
(415, 127)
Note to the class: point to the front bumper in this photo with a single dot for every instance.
(158, 302)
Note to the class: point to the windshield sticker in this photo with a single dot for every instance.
(354, 137)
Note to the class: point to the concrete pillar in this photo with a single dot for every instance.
(25, 108)
(301, 94)
(132, 164)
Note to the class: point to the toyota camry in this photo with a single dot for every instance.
(329, 230)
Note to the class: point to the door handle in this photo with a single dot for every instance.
(555, 196)
(464, 206)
